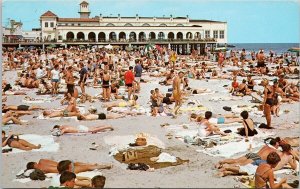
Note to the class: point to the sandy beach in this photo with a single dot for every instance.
(199, 172)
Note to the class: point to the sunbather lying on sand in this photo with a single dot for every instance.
(251, 157)
(100, 116)
(249, 169)
(20, 108)
(80, 129)
(13, 141)
(224, 119)
(60, 113)
(50, 166)
(122, 103)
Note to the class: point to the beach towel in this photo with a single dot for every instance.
(46, 141)
(145, 155)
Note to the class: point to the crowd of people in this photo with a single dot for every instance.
(70, 71)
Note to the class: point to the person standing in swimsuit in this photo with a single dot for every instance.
(70, 80)
(268, 101)
(177, 94)
(106, 86)
(83, 76)
(129, 79)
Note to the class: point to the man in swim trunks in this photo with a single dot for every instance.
(177, 95)
(100, 116)
(129, 79)
(20, 108)
(50, 166)
(81, 129)
(70, 80)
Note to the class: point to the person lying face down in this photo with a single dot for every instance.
(100, 116)
(62, 129)
(50, 166)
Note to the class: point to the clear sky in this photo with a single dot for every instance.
(249, 21)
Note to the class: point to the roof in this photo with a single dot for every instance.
(191, 20)
(49, 14)
(84, 2)
(78, 19)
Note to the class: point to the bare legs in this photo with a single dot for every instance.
(267, 112)
(100, 129)
(24, 145)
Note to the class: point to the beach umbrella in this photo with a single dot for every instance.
(49, 47)
(149, 47)
(116, 46)
(52, 45)
(108, 46)
(20, 48)
(81, 46)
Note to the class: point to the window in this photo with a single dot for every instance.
(52, 24)
(72, 24)
(207, 34)
(222, 34)
(59, 37)
(46, 24)
(79, 24)
(216, 34)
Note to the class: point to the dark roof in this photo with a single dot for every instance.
(49, 14)
(84, 2)
(78, 20)
(191, 20)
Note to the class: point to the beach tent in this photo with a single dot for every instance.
(108, 46)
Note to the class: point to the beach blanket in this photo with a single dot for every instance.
(46, 141)
(227, 146)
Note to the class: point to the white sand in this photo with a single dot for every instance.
(198, 173)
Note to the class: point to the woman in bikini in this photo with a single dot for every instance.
(122, 103)
(268, 101)
(13, 141)
(251, 83)
(106, 86)
(264, 175)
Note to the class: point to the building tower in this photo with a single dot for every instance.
(84, 10)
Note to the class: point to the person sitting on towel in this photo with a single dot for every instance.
(80, 129)
(206, 128)
(248, 129)
(50, 166)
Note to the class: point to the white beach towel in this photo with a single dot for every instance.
(46, 141)
(165, 157)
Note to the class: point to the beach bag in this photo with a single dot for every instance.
(37, 175)
(130, 156)
(140, 141)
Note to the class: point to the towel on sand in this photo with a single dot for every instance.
(145, 154)
(46, 141)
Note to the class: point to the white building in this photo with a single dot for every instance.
(129, 29)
